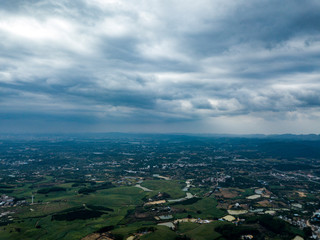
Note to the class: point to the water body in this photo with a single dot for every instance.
(188, 194)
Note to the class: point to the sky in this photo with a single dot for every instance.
(205, 66)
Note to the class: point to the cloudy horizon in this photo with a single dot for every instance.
(237, 67)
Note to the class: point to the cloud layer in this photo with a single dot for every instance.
(163, 66)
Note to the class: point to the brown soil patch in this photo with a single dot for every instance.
(223, 205)
(301, 194)
(229, 193)
(97, 236)
(264, 203)
(141, 215)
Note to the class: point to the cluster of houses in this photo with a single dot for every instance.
(6, 201)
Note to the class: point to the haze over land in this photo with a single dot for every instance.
(160, 66)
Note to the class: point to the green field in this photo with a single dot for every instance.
(35, 221)
(200, 231)
(60, 212)
(204, 208)
(38, 221)
(161, 233)
(173, 188)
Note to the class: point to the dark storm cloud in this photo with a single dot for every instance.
(264, 22)
(110, 62)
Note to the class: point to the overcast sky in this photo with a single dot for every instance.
(205, 66)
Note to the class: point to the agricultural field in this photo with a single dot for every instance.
(173, 188)
(154, 188)
(65, 215)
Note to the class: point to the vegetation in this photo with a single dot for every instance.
(232, 232)
(187, 201)
(123, 186)
(95, 188)
(173, 188)
(52, 189)
(76, 215)
(101, 208)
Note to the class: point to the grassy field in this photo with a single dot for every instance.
(160, 233)
(67, 215)
(35, 221)
(200, 231)
(173, 188)
(204, 208)
(200, 191)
